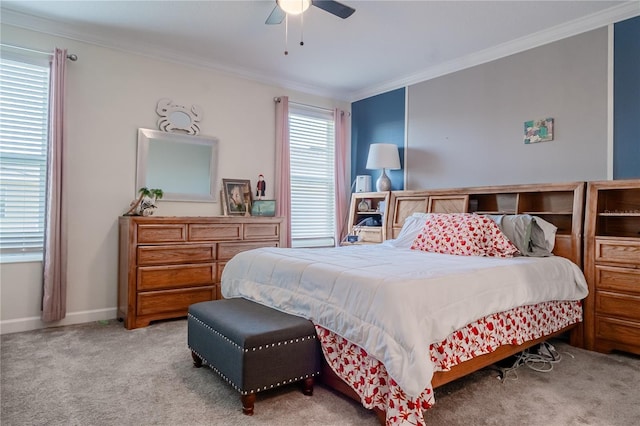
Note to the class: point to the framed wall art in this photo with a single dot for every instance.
(538, 130)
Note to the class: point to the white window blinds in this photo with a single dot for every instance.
(24, 114)
(312, 146)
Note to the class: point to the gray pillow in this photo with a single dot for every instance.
(524, 232)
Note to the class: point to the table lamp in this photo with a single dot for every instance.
(383, 156)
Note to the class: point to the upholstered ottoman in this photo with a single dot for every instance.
(253, 347)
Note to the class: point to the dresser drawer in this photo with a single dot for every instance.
(227, 250)
(618, 305)
(625, 332)
(255, 231)
(154, 302)
(618, 251)
(162, 255)
(164, 233)
(159, 277)
(618, 279)
(215, 231)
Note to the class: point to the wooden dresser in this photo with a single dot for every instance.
(168, 263)
(612, 266)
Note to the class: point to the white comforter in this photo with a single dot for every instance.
(395, 302)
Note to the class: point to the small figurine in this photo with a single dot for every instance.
(260, 187)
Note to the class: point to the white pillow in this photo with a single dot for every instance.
(410, 228)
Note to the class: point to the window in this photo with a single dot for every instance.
(312, 146)
(24, 115)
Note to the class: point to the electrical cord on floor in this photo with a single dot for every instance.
(540, 358)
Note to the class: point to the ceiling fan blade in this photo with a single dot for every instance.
(276, 17)
(335, 8)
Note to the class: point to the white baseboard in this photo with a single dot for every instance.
(35, 323)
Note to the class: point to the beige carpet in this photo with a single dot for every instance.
(102, 374)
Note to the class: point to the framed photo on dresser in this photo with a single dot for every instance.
(236, 195)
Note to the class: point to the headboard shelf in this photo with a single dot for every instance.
(554, 201)
(494, 203)
(559, 203)
(491, 211)
(532, 212)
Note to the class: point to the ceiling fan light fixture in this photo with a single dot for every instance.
(294, 7)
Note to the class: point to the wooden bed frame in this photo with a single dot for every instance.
(561, 204)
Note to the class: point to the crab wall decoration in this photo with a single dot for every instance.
(176, 117)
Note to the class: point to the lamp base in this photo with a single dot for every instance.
(383, 184)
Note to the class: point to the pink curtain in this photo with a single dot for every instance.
(341, 189)
(283, 166)
(54, 299)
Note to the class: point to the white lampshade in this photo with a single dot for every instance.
(294, 7)
(383, 156)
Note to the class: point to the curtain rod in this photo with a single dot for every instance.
(71, 56)
(278, 100)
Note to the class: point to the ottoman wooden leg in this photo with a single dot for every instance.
(197, 361)
(307, 386)
(247, 403)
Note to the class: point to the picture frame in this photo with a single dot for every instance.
(263, 208)
(223, 203)
(540, 130)
(236, 195)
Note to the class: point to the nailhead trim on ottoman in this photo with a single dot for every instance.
(253, 347)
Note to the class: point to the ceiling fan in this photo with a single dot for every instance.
(295, 7)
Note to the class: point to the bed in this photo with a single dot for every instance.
(398, 319)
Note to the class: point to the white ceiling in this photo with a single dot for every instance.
(382, 46)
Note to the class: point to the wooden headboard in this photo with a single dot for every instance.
(559, 203)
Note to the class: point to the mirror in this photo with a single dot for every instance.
(185, 167)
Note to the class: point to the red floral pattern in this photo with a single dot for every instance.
(369, 378)
(463, 234)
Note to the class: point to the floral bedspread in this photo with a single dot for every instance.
(369, 378)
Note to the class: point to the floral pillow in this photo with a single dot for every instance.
(463, 234)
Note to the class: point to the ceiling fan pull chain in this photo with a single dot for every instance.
(301, 29)
(286, 34)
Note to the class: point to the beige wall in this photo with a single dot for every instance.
(110, 94)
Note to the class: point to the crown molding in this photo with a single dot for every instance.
(578, 26)
(91, 35)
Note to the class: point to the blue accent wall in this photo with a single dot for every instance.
(626, 99)
(378, 119)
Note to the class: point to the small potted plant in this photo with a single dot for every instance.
(145, 204)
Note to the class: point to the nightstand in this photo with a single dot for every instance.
(367, 217)
(612, 266)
